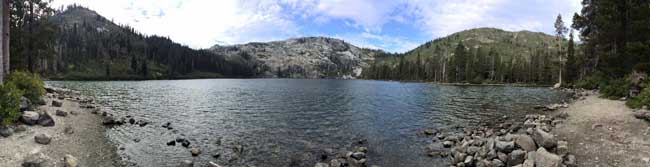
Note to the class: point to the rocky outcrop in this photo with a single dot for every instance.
(308, 57)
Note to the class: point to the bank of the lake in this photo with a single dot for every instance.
(73, 135)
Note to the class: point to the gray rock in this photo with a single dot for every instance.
(544, 139)
(68, 130)
(517, 157)
(498, 163)
(526, 142)
(473, 150)
(502, 156)
(447, 144)
(24, 103)
(336, 163)
(562, 148)
(320, 164)
(45, 120)
(469, 160)
(61, 113)
(458, 157)
(358, 155)
(6, 131)
(37, 160)
(70, 161)
(186, 163)
(362, 149)
(570, 161)
(213, 164)
(20, 128)
(544, 158)
(43, 139)
(57, 103)
(505, 146)
(528, 163)
(30, 117)
(195, 152)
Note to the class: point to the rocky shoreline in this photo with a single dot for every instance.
(514, 142)
(57, 131)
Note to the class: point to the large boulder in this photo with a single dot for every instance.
(30, 117)
(544, 139)
(544, 158)
(43, 139)
(526, 142)
(6, 131)
(36, 160)
(45, 120)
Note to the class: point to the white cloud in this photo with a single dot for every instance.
(198, 23)
(203, 23)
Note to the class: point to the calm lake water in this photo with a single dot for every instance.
(285, 122)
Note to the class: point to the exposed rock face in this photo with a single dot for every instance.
(309, 57)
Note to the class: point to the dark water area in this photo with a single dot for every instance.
(287, 122)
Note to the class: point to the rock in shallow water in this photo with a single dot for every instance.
(195, 152)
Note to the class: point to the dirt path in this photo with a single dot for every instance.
(604, 133)
(88, 143)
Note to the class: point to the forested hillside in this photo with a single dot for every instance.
(482, 55)
(85, 45)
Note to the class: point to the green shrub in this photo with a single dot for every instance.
(591, 82)
(614, 89)
(9, 103)
(30, 84)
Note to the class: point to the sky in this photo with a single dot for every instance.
(391, 25)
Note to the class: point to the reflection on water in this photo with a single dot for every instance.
(282, 122)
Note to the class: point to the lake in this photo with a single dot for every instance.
(292, 122)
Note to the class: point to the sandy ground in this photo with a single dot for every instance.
(604, 133)
(88, 143)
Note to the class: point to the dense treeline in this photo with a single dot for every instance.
(484, 55)
(616, 43)
(81, 44)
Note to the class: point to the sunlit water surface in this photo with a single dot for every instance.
(284, 122)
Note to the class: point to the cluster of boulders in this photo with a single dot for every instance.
(355, 158)
(525, 144)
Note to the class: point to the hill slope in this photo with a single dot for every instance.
(475, 55)
(308, 57)
(89, 46)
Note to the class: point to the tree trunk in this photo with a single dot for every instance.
(6, 36)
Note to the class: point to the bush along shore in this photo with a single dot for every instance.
(526, 142)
